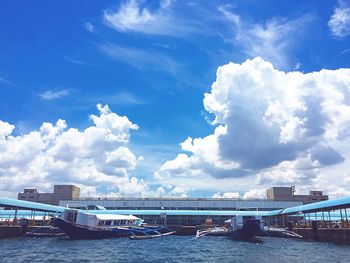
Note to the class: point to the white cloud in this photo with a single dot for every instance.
(133, 16)
(255, 194)
(233, 195)
(89, 27)
(5, 130)
(8, 82)
(124, 98)
(141, 59)
(97, 156)
(52, 95)
(284, 128)
(270, 40)
(339, 23)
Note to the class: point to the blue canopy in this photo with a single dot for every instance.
(342, 202)
(19, 204)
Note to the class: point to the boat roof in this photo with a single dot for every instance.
(114, 216)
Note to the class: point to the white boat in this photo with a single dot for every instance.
(213, 231)
(281, 232)
(79, 224)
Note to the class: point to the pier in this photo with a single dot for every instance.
(323, 221)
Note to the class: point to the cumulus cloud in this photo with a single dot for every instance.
(270, 40)
(52, 95)
(255, 194)
(339, 23)
(282, 127)
(232, 195)
(96, 156)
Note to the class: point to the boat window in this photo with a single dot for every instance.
(108, 222)
(117, 222)
(101, 223)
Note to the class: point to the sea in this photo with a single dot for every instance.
(171, 249)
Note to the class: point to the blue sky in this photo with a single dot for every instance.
(152, 62)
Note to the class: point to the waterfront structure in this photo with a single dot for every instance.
(61, 192)
(183, 211)
(180, 204)
(287, 194)
(327, 220)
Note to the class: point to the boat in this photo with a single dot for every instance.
(45, 231)
(212, 231)
(79, 224)
(150, 232)
(247, 232)
(281, 232)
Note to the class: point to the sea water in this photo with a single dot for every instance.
(170, 249)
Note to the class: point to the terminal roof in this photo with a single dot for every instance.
(342, 202)
(19, 204)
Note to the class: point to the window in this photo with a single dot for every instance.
(108, 222)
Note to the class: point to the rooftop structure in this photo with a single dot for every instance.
(61, 192)
(287, 194)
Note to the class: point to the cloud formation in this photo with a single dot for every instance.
(141, 59)
(270, 40)
(339, 23)
(281, 127)
(97, 156)
(89, 27)
(133, 16)
(52, 95)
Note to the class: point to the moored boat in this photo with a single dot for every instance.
(281, 232)
(247, 232)
(213, 231)
(83, 225)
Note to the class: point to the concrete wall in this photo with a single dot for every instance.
(286, 194)
(279, 193)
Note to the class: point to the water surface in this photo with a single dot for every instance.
(170, 249)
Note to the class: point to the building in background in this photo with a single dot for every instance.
(287, 194)
(277, 198)
(61, 192)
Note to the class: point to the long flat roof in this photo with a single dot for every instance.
(187, 212)
(343, 202)
(19, 204)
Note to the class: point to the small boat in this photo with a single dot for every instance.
(45, 231)
(247, 232)
(79, 224)
(281, 232)
(213, 231)
(150, 232)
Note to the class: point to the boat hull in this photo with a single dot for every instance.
(248, 232)
(74, 231)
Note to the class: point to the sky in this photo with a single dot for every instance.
(175, 98)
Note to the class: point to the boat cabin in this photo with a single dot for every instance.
(100, 220)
